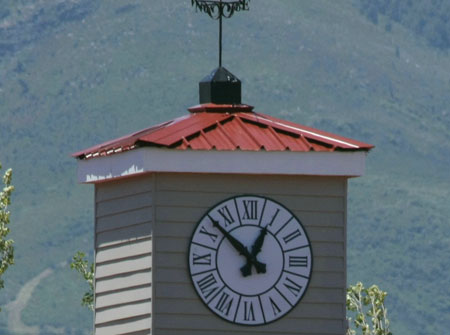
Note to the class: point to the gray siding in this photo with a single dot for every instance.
(143, 227)
(182, 199)
(124, 249)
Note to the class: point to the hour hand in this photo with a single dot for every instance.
(256, 249)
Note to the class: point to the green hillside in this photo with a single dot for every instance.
(77, 73)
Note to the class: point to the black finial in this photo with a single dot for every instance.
(220, 87)
(218, 10)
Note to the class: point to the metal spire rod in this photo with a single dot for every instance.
(218, 10)
(220, 41)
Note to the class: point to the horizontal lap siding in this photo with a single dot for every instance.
(124, 249)
(211, 324)
(182, 291)
(172, 331)
(182, 199)
(284, 185)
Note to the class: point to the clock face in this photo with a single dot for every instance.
(250, 260)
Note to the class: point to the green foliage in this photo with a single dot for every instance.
(6, 245)
(429, 19)
(367, 302)
(82, 266)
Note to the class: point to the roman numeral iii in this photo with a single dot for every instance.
(298, 261)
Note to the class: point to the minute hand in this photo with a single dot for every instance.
(234, 242)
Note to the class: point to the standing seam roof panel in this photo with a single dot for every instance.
(291, 143)
(265, 137)
(227, 127)
(218, 139)
(199, 142)
(240, 136)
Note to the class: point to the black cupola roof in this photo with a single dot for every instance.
(220, 87)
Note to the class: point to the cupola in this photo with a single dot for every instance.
(220, 87)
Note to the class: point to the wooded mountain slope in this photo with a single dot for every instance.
(77, 73)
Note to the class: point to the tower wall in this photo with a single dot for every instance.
(143, 228)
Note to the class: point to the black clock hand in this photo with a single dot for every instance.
(234, 242)
(241, 248)
(256, 249)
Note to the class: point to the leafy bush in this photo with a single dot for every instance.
(6, 246)
(367, 302)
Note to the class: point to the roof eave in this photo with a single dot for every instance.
(151, 159)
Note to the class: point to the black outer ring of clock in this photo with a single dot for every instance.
(310, 248)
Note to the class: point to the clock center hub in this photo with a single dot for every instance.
(230, 262)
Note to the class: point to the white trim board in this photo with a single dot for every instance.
(144, 160)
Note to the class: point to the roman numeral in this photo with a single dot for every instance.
(202, 259)
(249, 313)
(275, 307)
(274, 217)
(251, 210)
(207, 233)
(298, 261)
(208, 285)
(224, 304)
(226, 214)
(289, 237)
(292, 286)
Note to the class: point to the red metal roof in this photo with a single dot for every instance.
(227, 127)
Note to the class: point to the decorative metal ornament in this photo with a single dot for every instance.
(218, 10)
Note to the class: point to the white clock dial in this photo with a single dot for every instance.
(250, 260)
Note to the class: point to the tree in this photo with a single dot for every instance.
(82, 266)
(6, 246)
(367, 302)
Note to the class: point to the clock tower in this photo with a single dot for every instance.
(222, 221)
